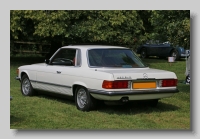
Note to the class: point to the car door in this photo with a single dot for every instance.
(153, 49)
(49, 76)
(69, 73)
(163, 50)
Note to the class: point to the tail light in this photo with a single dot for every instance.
(169, 82)
(115, 84)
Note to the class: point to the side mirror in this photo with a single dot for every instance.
(47, 61)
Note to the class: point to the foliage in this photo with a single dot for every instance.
(115, 27)
(172, 26)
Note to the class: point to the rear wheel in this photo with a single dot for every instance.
(84, 101)
(26, 87)
(175, 54)
(143, 53)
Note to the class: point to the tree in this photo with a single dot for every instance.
(115, 27)
(96, 26)
(172, 26)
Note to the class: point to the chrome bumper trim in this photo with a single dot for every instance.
(132, 92)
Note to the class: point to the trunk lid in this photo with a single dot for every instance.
(139, 73)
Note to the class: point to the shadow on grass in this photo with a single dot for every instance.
(132, 107)
(137, 107)
(185, 88)
(69, 100)
(14, 119)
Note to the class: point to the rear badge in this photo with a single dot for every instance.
(124, 77)
(145, 76)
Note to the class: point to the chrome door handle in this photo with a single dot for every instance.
(58, 72)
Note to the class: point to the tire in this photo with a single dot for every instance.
(187, 80)
(26, 87)
(175, 54)
(84, 101)
(143, 53)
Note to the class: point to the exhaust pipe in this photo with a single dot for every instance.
(124, 99)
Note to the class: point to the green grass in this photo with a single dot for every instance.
(48, 112)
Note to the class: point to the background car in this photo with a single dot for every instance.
(187, 70)
(162, 50)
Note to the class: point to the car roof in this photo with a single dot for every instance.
(93, 46)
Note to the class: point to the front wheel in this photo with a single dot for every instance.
(84, 101)
(26, 87)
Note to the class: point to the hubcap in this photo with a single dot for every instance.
(188, 79)
(26, 86)
(174, 55)
(81, 98)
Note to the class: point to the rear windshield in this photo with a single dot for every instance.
(122, 58)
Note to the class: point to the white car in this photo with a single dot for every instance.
(93, 73)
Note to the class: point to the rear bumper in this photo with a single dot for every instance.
(184, 55)
(132, 94)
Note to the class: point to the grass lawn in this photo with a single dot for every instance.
(48, 112)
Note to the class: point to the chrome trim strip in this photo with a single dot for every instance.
(132, 92)
(51, 84)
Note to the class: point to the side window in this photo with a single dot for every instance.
(64, 57)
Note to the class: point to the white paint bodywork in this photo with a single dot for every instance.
(45, 77)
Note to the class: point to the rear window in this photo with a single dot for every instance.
(121, 58)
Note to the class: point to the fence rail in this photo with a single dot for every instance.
(29, 47)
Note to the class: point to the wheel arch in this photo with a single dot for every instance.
(172, 49)
(23, 73)
(76, 85)
(178, 49)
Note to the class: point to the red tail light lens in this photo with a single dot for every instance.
(169, 82)
(115, 84)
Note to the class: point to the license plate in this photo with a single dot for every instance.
(144, 85)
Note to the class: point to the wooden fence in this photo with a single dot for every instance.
(29, 48)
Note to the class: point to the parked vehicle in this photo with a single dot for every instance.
(96, 73)
(187, 70)
(161, 50)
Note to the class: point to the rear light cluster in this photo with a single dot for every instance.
(168, 82)
(115, 84)
(125, 84)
